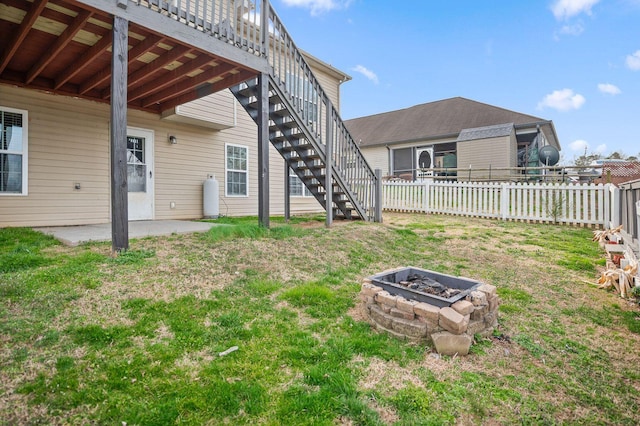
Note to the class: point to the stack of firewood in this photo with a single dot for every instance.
(622, 269)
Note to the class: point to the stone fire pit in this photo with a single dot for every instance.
(398, 302)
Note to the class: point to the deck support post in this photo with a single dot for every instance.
(263, 149)
(377, 217)
(287, 192)
(118, 134)
(328, 161)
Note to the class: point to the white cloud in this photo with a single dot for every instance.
(633, 61)
(564, 9)
(601, 149)
(366, 72)
(574, 30)
(609, 89)
(319, 6)
(579, 146)
(562, 100)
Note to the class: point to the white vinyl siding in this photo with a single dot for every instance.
(237, 170)
(68, 155)
(13, 151)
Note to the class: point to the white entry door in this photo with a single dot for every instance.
(140, 173)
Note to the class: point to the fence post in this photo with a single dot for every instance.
(504, 201)
(425, 196)
(614, 212)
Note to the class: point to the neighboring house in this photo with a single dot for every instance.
(99, 96)
(617, 171)
(454, 133)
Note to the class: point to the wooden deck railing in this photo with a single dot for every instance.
(232, 21)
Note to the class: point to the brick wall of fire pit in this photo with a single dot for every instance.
(449, 329)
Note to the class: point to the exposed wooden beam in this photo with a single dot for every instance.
(170, 78)
(208, 89)
(27, 22)
(65, 38)
(134, 53)
(83, 61)
(158, 64)
(187, 85)
(119, 190)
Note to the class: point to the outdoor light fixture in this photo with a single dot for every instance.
(173, 140)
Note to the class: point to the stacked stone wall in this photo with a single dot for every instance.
(449, 329)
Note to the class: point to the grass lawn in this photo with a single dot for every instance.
(135, 340)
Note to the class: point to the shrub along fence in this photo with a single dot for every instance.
(575, 204)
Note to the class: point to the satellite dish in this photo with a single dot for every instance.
(549, 155)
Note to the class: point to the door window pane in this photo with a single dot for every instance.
(136, 167)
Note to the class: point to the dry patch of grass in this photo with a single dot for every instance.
(75, 322)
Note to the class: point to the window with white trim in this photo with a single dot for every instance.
(13, 151)
(296, 187)
(237, 170)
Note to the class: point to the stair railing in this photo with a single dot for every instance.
(296, 79)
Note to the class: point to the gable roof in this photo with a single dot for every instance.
(439, 120)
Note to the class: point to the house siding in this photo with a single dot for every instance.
(69, 143)
(378, 158)
(484, 154)
(217, 111)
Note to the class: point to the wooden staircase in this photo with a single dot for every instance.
(307, 131)
(302, 149)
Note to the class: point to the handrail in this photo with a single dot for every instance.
(313, 105)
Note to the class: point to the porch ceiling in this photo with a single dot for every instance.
(64, 47)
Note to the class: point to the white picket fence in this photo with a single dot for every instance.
(577, 204)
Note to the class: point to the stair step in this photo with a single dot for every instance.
(247, 92)
(273, 100)
(290, 137)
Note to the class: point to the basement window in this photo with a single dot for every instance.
(237, 170)
(13, 151)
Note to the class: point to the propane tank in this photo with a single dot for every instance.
(211, 198)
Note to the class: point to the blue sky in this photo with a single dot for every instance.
(576, 62)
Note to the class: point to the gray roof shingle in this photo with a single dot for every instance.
(438, 120)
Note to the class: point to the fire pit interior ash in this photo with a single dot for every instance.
(428, 285)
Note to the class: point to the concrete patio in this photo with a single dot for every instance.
(74, 235)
